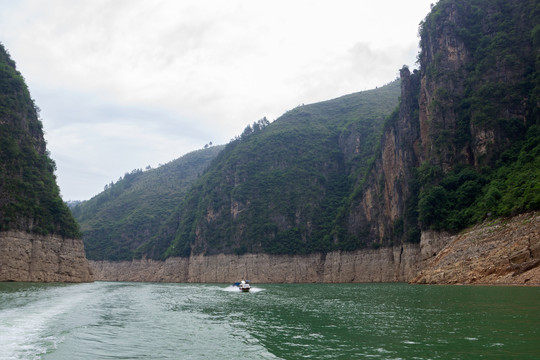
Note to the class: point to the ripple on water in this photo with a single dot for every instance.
(332, 321)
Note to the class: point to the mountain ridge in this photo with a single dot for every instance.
(462, 147)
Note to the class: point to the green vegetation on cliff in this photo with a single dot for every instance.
(279, 188)
(129, 212)
(464, 197)
(29, 196)
(356, 171)
(498, 107)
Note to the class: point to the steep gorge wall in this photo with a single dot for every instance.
(387, 189)
(469, 101)
(502, 252)
(390, 264)
(443, 59)
(381, 265)
(386, 212)
(462, 108)
(37, 258)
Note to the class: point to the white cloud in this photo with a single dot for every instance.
(172, 75)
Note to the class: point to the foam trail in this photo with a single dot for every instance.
(235, 289)
(25, 330)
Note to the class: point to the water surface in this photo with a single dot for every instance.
(105, 320)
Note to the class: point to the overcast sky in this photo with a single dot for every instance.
(123, 84)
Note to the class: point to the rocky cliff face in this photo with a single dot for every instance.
(470, 100)
(443, 59)
(505, 252)
(475, 60)
(38, 258)
(383, 265)
(499, 252)
(383, 204)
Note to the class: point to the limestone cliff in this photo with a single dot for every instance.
(382, 265)
(476, 57)
(384, 201)
(472, 99)
(42, 258)
(506, 252)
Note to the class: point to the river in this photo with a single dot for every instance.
(106, 320)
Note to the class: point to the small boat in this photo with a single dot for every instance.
(243, 286)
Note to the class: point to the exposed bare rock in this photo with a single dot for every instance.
(31, 257)
(170, 270)
(380, 265)
(431, 242)
(501, 252)
(387, 189)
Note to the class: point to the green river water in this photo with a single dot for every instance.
(105, 320)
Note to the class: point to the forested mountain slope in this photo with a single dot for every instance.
(129, 212)
(277, 188)
(29, 196)
(462, 145)
(39, 238)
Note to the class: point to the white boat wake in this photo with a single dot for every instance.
(232, 288)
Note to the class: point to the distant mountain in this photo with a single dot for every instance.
(72, 203)
(129, 212)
